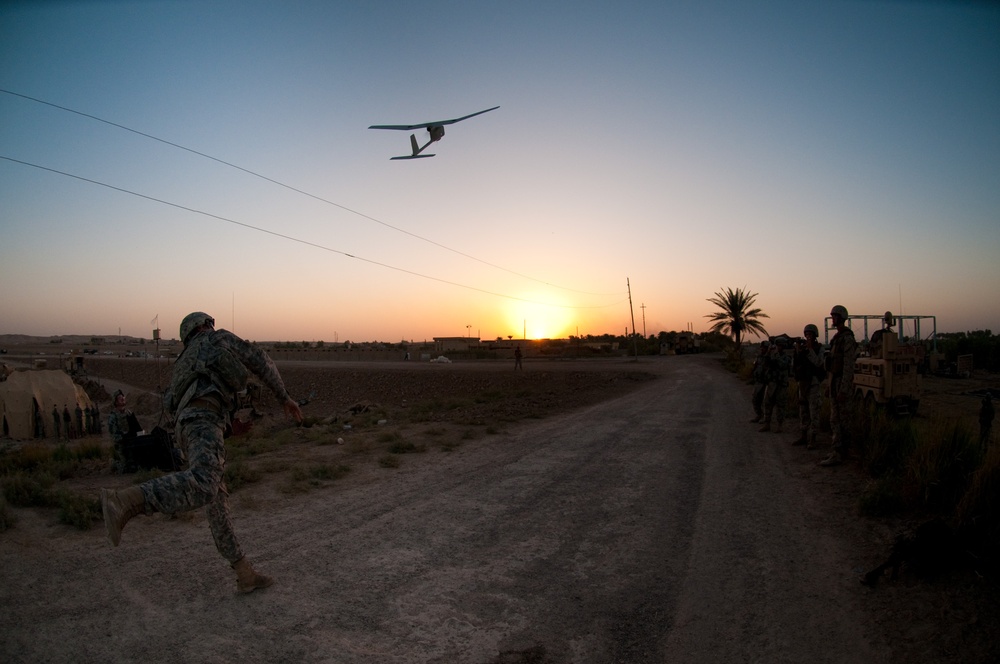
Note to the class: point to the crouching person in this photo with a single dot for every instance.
(211, 369)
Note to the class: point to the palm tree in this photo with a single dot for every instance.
(736, 316)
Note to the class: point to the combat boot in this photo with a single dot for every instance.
(119, 507)
(835, 459)
(247, 578)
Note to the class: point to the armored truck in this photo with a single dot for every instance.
(889, 376)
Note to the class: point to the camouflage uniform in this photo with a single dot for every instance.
(776, 394)
(118, 427)
(807, 365)
(202, 414)
(843, 352)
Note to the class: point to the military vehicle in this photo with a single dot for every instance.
(889, 375)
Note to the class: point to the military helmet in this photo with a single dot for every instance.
(192, 322)
(810, 328)
(839, 310)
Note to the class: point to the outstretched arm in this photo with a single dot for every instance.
(292, 410)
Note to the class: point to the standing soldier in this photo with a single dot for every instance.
(39, 420)
(209, 372)
(809, 371)
(760, 381)
(123, 426)
(55, 420)
(78, 412)
(776, 393)
(843, 352)
(67, 422)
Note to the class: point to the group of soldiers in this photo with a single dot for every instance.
(69, 426)
(811, 366)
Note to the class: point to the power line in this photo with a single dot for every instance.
(295, 239)
(298, 191)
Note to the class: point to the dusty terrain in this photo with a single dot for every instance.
(576, 512)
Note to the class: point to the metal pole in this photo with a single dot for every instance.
(635, 344)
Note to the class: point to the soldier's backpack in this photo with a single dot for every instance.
(202, 358)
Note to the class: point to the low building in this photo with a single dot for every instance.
(452, 344)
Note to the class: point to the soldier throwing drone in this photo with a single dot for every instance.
(211, 369)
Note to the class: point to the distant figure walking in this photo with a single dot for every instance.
(55, 421)
(517, 359)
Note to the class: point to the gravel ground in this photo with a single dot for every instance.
(605, 511)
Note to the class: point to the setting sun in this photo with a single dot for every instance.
(530, 318)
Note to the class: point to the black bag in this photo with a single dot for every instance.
(152, 450)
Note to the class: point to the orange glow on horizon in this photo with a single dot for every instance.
(530, 318)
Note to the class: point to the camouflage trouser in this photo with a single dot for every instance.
(758, 398)
(810, 402)
(840, 415)
(775, 396)
(201, 430)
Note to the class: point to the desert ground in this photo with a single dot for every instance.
(579, 511)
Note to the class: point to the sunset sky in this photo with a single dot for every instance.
(814, 152)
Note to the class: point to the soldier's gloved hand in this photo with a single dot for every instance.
(292, 410)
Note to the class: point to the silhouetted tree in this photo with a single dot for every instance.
(736, 315)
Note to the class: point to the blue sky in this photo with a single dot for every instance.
(816, 153)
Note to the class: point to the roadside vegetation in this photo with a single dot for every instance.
(921, 468)
(30, 475)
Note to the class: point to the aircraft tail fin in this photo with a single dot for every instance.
(413, 144)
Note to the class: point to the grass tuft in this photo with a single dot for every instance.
(389, 461)
(239, 474)
(7, 516)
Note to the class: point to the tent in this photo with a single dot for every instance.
(22, 390)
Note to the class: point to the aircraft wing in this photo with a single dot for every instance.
(426, 125)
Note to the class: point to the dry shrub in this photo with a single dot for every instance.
(943, 463)
(7, 516)
(240, 474)
(979, 508)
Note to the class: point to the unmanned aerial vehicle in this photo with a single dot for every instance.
(435, 129)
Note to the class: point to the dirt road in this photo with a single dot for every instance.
(655, 527)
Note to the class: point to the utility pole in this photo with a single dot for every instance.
(635, 344)
(643, 307)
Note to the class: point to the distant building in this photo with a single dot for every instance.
(449, 344)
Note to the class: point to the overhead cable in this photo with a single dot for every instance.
(298, 240)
